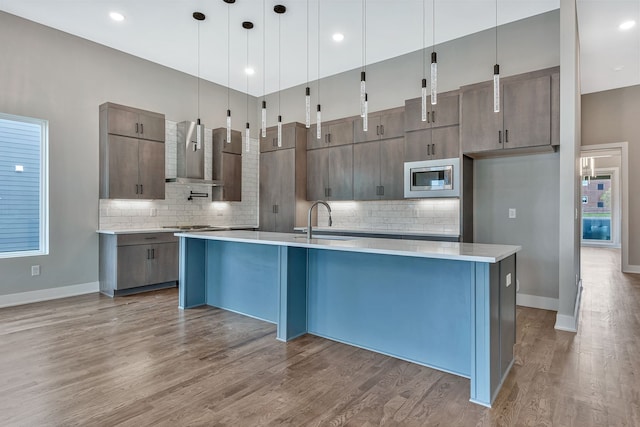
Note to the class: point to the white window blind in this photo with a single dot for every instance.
(23, 186)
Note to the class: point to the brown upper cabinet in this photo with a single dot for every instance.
(227, 165)
(132, 154)
(270, 142)
(446, 112)
(386, 124)
(528, 116)
(335, 132)
(378, 170)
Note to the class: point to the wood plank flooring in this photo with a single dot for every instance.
(139, 361)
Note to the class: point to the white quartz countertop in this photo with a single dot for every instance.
(171, 229)
(372, 231)
(477, 252)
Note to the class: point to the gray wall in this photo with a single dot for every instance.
(612, 116)
(52, 75)
(530, 185)
(526, 45)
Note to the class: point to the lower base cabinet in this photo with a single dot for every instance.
(137, 262)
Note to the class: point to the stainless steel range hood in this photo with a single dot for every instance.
(190, 156)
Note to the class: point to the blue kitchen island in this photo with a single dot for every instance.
(449, 306)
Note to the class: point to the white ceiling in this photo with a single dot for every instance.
(163, 31)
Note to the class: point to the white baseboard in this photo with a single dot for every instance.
(535, 301)
(569, 323)
(48, 294)
(631, 269)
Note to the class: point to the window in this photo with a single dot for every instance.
(24, 222)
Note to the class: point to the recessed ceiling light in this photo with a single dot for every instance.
(116, 16)
(627, 25)
(249, 71)
(618, 68)
(338, 37)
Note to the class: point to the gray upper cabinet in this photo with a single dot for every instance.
(132, 153)
(283, 172)
(132, 122)
(335, 132)
(429, 144)
(227, 165)
(378, 170)
(270, 142)
(386, 124)
(528, 117)
(330, 173)
(445, 113)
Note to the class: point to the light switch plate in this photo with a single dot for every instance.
(508, 280)
(35, 270)
(512, 213)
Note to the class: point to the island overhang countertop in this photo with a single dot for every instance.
(477, 252)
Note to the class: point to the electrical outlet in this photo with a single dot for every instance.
(508, 280)
(517, 285)
(153, 212)
(512, 213)
(35, 270)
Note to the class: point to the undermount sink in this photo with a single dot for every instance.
(323, 237)
(194, 227)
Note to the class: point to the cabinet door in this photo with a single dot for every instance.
(445, 142)
(268, 190)
(151, 127)
(312, 141)
(132, 266)
(417, 145)
(269, 142)
(527, 112)
(231, 177)
(163, 263)
(123, 122)
(236, 140)
(123, 167)
(341, 172)
(391, 169)
(373, 129)
(317, 174)
(479, 125)
(340, 132)
(286, 202)
(413, 115)
(447, 111)
(151, 169)
(366, 171)
(392, 125)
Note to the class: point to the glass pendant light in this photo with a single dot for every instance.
(279, 9)
(496, 73)
(365, 119)
(363, 73)
(198, 16)
(247, 25)
(434, 60)
(263, 121)
(229, 3)
(318, 109)
(424, 100)
(307, 90)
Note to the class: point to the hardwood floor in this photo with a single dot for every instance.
(139, 361)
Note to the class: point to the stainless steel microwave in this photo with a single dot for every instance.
(432, 178)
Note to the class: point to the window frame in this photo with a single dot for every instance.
(43, 246)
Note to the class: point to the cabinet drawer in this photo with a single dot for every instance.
(146, 238)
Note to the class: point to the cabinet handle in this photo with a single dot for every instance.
(150, 238)
(506, 136)
(428, 117)
(153, 254)
(428, 149)
(329, 137)
(433, 116)
(377, 190)
(136, 127)
(141, 128)
(381, 129)
(433, 149)
(329, 195)
(381, 190)
(148, 253)
(141, 189)
(378, 130)
(499, 137)
(137, 189)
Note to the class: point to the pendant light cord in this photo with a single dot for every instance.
(198, 70)
(433, 20)
(264, 52)
(496, 31)
(424, 39)
(364, 35)
(247, 67)
(319, 51)
(279, 63)
(307, 43)
(228, 54)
